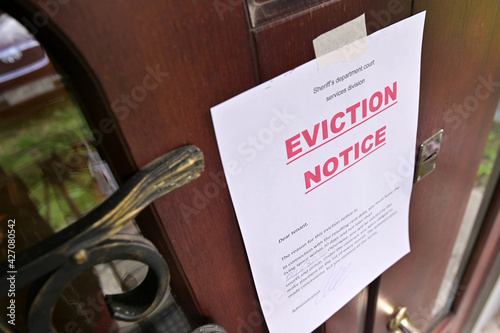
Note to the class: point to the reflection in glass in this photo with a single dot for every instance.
(51, 175)
(481, 194)
(44, 140)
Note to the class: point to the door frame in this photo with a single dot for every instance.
(482, 267)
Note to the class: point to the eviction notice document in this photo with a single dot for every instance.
(319, 164)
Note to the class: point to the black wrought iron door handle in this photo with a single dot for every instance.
(161, 176)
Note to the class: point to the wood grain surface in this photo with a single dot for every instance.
(457, 40)
(156, 67)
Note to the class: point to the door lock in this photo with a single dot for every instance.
(400, 323)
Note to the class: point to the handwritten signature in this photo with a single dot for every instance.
(334, 279)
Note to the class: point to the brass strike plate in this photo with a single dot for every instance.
(428, 156)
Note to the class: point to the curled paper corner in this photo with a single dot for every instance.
(342, 44)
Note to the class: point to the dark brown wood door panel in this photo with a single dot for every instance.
(158, 67)
(287, 43)
(457, 40)
(194, 59)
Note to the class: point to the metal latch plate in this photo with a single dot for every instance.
(428, 156)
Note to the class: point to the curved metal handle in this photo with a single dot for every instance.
(130, 306)
(89, 241)
(161, 176)
(400, 323)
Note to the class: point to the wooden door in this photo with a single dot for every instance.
(459, 56)
(156, 67)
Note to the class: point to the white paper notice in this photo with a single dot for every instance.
(319, 164)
